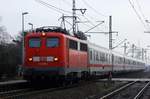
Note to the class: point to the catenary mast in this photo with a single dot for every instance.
(74, 17)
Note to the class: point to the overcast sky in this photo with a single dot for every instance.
(124, 17)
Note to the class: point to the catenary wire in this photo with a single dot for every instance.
(53, 7)
(139, 17)
(88, 5)
(66, 2)
(140, 9)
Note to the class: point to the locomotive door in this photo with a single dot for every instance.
(73, 57)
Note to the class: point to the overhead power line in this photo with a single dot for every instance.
(140, 9)
(68, 3)
(88, 20)
(93, 8)
(53, 7)
(94, 26)
(138, 15)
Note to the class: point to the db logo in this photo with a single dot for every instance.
(43, 58)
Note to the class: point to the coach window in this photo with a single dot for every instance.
(94, 54)
(34, 42)
(83, 47)
(135, 63)
(91, 54)
(52, 42)
(109, 58)
(126, 61)
(106, 57)
(98, 56)
(120, 60)
(73, 44)
(102, 57)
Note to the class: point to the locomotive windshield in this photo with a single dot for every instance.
(34, 42)
(52, 42)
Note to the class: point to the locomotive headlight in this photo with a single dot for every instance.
(43, 34)
(30, 59)
(55, 59)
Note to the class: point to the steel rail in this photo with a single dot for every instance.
(13, 91)
(39, 91)
(12, 82)
(117, 90)
(6, 87)
(142, 91)
(30, 93)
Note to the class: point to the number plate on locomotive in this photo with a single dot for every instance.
(50, 58)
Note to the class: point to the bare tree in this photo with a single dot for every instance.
(10, 53)
(5, 37)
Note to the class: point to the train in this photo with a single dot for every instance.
(52, 53)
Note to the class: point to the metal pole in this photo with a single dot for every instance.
(133, 46)
(145, 55)
(74, 17)
(24, 13)
(142, 53)
(125, 48)
(22, 23)
(110, 41)
(110, 32)
(31, 26)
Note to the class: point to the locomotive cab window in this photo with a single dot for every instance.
(34, 42)
(52, 42)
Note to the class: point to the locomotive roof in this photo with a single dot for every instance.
(56, 29)
(54, 33)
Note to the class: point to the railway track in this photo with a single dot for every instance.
(24, 92)
(10, 94)
(145, 93)
(12, 85)
(28, 92)
(15, 86)
(132, 90)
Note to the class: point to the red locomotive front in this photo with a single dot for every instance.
(45, 54)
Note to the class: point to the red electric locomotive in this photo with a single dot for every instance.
(54, 55)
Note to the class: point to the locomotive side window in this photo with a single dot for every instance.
(73, 44)
(34, 42)
(83, 47)
(52, 42)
